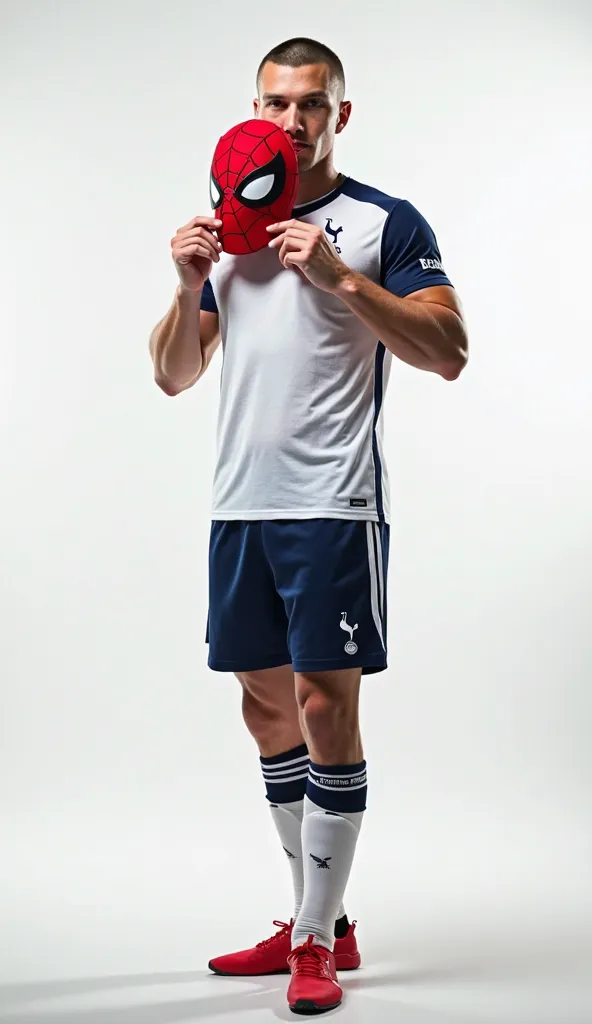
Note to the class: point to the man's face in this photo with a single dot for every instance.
(306, 103)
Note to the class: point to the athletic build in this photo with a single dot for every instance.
(300, 517)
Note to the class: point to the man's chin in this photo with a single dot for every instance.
(306, 160)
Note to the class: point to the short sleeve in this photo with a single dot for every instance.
(208, 299)
(410, 258)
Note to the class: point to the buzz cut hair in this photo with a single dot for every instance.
(299, 51)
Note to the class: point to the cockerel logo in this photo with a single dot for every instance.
(350, 647)
(334, 232)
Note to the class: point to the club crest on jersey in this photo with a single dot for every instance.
(334, 232)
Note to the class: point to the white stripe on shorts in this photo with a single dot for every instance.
(380, 573)
(376, 577)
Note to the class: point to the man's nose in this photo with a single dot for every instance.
(292, 122)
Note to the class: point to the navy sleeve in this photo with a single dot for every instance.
(410, 258)
(208, 300)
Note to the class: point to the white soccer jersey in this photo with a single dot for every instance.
(303, 379)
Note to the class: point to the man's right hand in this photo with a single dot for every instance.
(195, 247)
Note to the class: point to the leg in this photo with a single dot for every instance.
(335, 797)
(328, 705)
(272, 716)
(331, 575)
(270, 709)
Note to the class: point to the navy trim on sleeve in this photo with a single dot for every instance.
(208, 300)
(410, 257)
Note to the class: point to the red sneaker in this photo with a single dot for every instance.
(314, 987)
(271, 955)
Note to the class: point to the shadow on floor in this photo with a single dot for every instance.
(267, 995)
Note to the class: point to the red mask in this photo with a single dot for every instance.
(253, 183)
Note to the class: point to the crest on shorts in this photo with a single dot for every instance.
(350, 647)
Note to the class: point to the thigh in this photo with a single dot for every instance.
(332, 576)
(247, 622)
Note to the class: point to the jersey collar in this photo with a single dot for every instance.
(317, 204)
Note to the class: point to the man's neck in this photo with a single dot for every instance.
(318, 182)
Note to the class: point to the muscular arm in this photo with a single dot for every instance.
(183, 342)
(426, 329)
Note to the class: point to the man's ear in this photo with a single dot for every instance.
(344, 116)
(255, 108)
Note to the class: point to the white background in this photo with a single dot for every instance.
(135, 835)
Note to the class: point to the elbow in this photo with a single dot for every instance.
(452, 368)
(166, 385)
(160, 379)
(171, 387)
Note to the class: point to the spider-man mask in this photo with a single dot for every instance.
(253, 183)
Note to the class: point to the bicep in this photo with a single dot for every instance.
(442, 295)
(445, 301)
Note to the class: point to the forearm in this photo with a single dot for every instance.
(175, 343)
(425, 335)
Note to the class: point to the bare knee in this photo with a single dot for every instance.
(325, 715)
(330, 718)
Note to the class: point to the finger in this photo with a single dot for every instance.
(206, 222)
(190, 252)
(296, 234)
(291, 264)
(206, 246)
(283, 249)
(184, 254)
(282, 225)
(276, 242)
(193, 234)
(288, 249)
(200, 237)
(295, 256)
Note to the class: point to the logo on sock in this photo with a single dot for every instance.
(290, 856)
(322, 864)
(350, 647)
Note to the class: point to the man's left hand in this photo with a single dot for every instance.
(306, 247)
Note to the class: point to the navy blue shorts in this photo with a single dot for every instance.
(310, 592)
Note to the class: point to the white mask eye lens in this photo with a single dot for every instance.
(215, 194)
(263, 185)
(260, 188)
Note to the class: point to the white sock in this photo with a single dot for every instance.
(328, 846)
(288, 822)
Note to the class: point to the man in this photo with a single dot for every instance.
(300, 532)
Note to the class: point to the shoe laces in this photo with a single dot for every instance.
(284, 928)
(310, 962)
